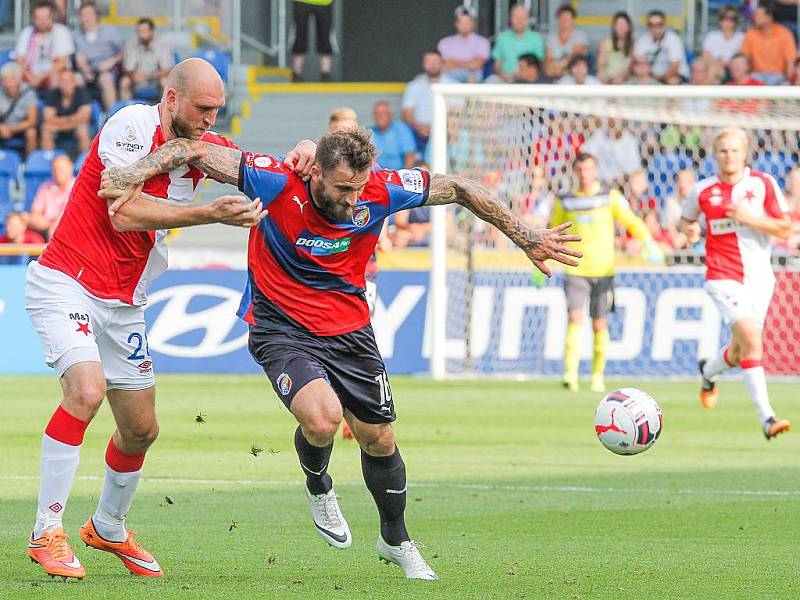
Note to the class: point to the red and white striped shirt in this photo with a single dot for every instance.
(735, 250)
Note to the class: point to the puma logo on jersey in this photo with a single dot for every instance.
(300, 204)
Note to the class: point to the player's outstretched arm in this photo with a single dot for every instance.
(220, 162)
(538, 244)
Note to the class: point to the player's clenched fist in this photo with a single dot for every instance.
(237, 211)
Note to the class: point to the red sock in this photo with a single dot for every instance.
(65, 428)
(120, 462)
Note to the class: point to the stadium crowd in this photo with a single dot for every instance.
(55, 86)
(61, 81)
(761, 51)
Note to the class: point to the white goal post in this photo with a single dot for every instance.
(498, 131)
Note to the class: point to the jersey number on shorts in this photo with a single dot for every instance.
(136, 338)
(386, 390)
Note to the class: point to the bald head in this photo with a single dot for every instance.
(194, 74)
(193, 95)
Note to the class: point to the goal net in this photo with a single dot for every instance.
(492, 314)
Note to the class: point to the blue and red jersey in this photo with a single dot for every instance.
(302, 264)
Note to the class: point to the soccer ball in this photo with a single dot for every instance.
(628, 421)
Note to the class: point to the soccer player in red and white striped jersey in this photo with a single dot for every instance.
(743, 210)
(86, 299)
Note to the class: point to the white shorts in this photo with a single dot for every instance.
(75, 326)
(737, 301)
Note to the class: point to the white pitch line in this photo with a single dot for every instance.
(449, 485)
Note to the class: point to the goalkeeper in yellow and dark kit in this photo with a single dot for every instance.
(593, 210)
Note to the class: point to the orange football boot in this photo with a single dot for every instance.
(53, 552)
(135, 558)
(708, 392)
(774, 427)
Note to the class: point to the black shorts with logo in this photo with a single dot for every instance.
(350, 363)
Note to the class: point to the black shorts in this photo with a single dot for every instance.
(350, 363)
(598, 290)
(323, 19)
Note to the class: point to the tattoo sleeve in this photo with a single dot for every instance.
(449, 189)
(221, 163)
(163, 159)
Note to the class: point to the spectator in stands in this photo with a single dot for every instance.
(44, 47)
(770, 47)
(529, 70)
(342, 118)
(322, 11)
(146, 63)
(51, 197)
(664, 49)
(616, 150)
(538, 203)
(615, 52)
(464, 53)
(17, 231)
(579, 72)
(740, 71)
(515, 42)
(721, 45)
(700, 72)
(639, 195)
(565, 44)
(393, 139)
(640, 72)
(795, 80)
(673, 207)
(418, 98)
(67, 115)
(99, 50)
(19, 110)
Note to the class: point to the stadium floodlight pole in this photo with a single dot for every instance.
(437, 302)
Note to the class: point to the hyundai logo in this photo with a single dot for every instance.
(215, 322)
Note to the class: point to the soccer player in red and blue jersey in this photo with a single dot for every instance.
(309, 321)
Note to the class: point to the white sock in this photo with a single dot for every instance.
(715, 366)
(115, 502)
(757, 386)
(57, 472)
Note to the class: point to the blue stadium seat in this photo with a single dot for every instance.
(221, 61)
(663, 168)
(6, 56)
(776, 164)
(9, 173)
(37, 171)
(79, 161)
(96, 120)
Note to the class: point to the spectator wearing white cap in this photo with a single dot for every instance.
(465, 52)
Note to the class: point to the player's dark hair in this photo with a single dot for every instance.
(353, 147)
(146, 20)
(566, 8)
(583, 157)
(530, 60)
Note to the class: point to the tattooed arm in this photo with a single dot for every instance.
(538, 244)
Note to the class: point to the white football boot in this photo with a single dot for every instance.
(328, 519)
(408, 557)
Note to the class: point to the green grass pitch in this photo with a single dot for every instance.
(509, 490)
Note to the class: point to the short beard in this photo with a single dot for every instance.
(335, 212)
(182, 129)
